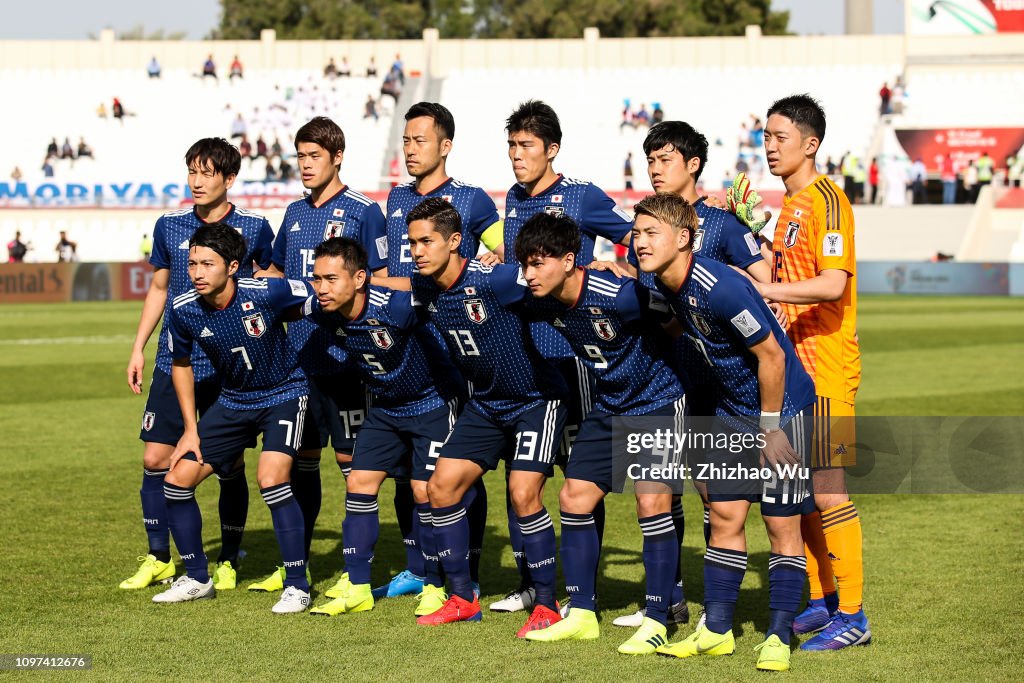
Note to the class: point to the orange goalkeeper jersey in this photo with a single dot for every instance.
(815, 233)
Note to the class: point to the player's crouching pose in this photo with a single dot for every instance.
(611, 323)
(760, 381)
(516, 409)
(238, 323)
(415, 402)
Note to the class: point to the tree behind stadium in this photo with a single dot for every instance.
(395, 19)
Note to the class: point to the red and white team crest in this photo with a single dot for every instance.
(148, 419)
(792, 231)
(604, 328)
(475, 310)
(382, 338)
(334, 229)
(254, 325)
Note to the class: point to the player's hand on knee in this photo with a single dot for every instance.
(136, 366)
(777, 450)
(188, 443)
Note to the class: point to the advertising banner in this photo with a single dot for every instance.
(56, 282)
(965, 17)
(891, 277)
(964, 144)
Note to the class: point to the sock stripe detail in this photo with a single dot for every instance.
(707, 515)
(837, 511)
(361, 507)
(155, 473)
(677, 509)
(307, 465)
(730, 559)
(534, 525)
(447, 518)
(797, 562)
(426, 518)
(274, 496)
(172, 492)
(576, 520)
(848, 517)
(658, 525)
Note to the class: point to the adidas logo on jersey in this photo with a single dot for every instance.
(206, 332)
(295, 227)
(397, 213)
(511, 213)
(558, 323)
(183, 245)
(840, 450)
(432, 308)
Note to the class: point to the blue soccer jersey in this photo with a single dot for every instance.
(405, 367)
(490, 344)
(723, 316)
(475, 207)
(170, 250)
(346, 214)
(586, 203)
(612, 328)
(245, 341)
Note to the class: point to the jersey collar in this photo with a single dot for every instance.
(547, 189)
(462, 274)
(426, 194)
(325, 202)
(231, 211)
(583, 287)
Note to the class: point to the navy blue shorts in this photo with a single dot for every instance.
(337, 407)
(161, 422)
(580, 381)
(593, 458)
(225, 433)
(778, 496)
(403, 446)
(528, 442)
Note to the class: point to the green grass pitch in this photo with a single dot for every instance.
(943, 571)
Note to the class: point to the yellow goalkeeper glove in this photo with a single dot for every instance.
(743, 201)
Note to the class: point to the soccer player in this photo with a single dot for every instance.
(610, 322)
(676, 156)
(534, 139)
(337, 397)
(238, 324)
(416, 392)
(815, 278)
(427, 142)
(516, 408)
(762, 386)
(213, 165)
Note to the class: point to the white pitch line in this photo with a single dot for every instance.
(43, 341)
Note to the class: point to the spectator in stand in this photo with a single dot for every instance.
(743, 137)
(236, 69)
(245, 147)
(884, 95)
(848, 165)
(399, 68)
(67, 151)
(101, 111)
(860, 179)
(741, 165)
(331, 70)
(627, 171)
(153, 68)
(16, 249)
(285, 170)
(371, 68)
(1014, 171)
(47, 168)
(261, 147)
(16, 175)
(117, 109)
(757, 134)
(970, 180)
(918, 178)
(873, 180)
(210, 69)
(658, 115)
(370, 108)
(898, 92)
(830, 167)
(271, 171)
(276, 148)
(642, 117)
(627, 116)
(345, 71)
(238, 127)
(53, 149)
(67, 251)
(985, 167)
(948, 175)
(391, 87)
(145, 248)
(84, 150)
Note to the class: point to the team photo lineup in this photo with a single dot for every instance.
(434, 341)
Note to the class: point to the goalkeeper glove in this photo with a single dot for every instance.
(742, 200)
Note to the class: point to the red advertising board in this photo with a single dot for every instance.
(1009, 14)
(963, 144)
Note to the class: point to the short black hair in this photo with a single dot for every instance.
(686, 140)
(227, 242)
(353, 253)
(443, 215)
(804, 111)
(444, 122)
(547, 235)
(221, 155)
(537, 118)
(322, 131)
